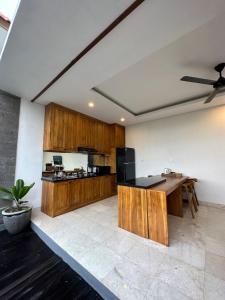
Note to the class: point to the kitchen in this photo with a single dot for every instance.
(88, 175)
(104, 163)
(123, 135)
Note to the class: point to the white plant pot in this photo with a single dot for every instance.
(16, 221)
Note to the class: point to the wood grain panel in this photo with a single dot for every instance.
(175, 203)
(157, 216)
(170, 185)
(119, 136)
(65, 130)
(61, 197)
(47, 198)
(132, 210)
(76, 193)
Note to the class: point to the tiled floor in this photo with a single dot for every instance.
(193, 267)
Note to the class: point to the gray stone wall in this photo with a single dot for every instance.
(9, 121)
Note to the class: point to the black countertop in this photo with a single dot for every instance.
(67, 178)
(144, 182)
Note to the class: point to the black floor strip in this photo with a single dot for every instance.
(30, 270)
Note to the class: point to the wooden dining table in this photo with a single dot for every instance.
(144, 210)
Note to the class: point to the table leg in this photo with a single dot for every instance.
(175, 203)
(157, 217)
(132, 210)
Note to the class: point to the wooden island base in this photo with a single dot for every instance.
(145, 211)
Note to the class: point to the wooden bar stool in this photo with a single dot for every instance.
(192, 181)
(188, 189)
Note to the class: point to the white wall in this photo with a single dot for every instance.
(70, 160)
(3, 34)
(192, 143)
(29, 148)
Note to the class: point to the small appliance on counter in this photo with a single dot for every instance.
(49, 167)
(102, 170)
(125, 164)
(58, 166)
(97, 167)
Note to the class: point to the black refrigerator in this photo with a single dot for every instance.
(125, 164)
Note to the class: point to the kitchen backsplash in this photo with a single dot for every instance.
(70, 160)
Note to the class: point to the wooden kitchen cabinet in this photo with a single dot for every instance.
(65, 130)
(55, 198)
(102, 137)
(61, 197)
(76, 193)
(99, 136)
(118, 136)
(106, 186)
(60, 129)
(85, 131)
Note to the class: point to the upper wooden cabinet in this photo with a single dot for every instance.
(66, 130)
(118, 136)
(103, 137)
(59, 129)
(85, 131)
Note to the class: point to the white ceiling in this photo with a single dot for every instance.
(139, 63)
(155, 80)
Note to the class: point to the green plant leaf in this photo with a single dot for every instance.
(15, 192)
(19, 185)
(25, 190)
(4, 190)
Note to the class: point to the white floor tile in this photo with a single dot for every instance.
(187, 279)
(100, 261)
(193, 267)
(214, 288)
(215, 265)
(147, 258)
(161, 291)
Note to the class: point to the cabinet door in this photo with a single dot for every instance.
(105, 186)
(95, 187)
(106, 138)
(81, 132)
(113, 185)
(58, 129)
(76, 192)
(99, 137)
(70, 137)
(102, 137)
(85, 132)
(119, 136)
(91, 189)
(61, 198)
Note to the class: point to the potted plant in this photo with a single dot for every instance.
(17, 217)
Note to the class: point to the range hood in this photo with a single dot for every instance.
(87, 150)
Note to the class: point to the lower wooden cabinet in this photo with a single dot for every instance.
(61, 197)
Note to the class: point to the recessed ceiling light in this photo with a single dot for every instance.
(122, 119)
(91, 104)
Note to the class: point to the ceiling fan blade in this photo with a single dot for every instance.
(198, 80)
(211, 96)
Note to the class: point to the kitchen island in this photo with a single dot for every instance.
(144, 204)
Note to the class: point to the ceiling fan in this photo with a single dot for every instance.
(217, 84)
